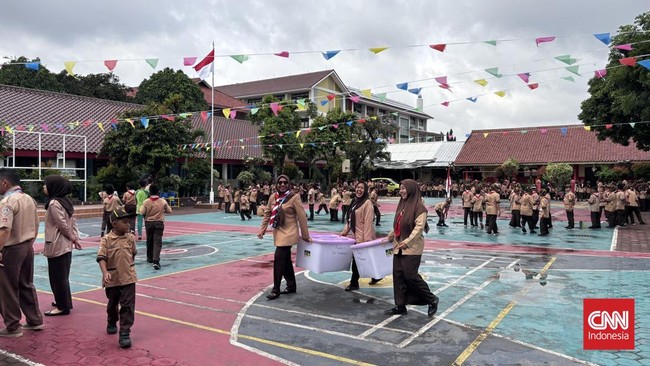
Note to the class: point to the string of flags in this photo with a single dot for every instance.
(563, 130)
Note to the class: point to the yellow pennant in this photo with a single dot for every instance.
(242, 147)
(130, 122)
(500, 93)
(8, 128)
(481, 82)
(301, 107)
(69, 65)
(226, 112)
(302, 145)
(485, 134)
(588, 128)
(376, 50)
(367, 92)
(298, 133)
(101, 126)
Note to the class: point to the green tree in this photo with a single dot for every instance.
(277, 144)
(102, 86)
(245, 178)
(558, 174)
(367, 143)
(510, 168)
(153, 149)
(623, 95)
(164, 84)
(196, 173)
(15, 73)
(641, 170)
(117, 175)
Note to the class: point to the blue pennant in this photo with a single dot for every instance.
(603, 37)
(33, 65)
(415, 91)
(329, 54)
(403, 86)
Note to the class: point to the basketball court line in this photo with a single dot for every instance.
(612, 247)
(19, 358)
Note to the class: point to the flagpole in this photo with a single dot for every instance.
(212, 132)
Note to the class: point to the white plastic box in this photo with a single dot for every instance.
(374, 258)
(326, 253)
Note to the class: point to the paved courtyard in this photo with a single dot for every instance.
(510, 298)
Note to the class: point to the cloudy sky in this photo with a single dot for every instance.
(132, 31)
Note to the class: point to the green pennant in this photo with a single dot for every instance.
(494, 71)
(153, 62)
(569, 78)
(381, 96)
(493, 43)
(524, 131)
(566, 59)
(394, 114)
(301, 102)
(573, 69)
(254, 110)
(240, 58)
(321, 128)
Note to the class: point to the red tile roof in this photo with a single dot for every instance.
(535, 147)
(22, 108)
(275, 85)
(230, 130)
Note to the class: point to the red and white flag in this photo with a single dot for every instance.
(448, 183)
(206, 66)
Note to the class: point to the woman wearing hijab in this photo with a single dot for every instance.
(285, 214)
(60, 236)
(409, 226)
(360, 221)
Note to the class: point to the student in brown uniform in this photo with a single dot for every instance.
(374, 198)
(620, 198)
(467, 204)
(545, 211)
(409, 226)
(594, 209)
(345, 204)
(515, 207)
(442, 210)
(116, 256)
(311, 200)
(18, 230)
(111, 203)
(285, 214)
(610, 207)
(477, 208)
(526, 211)
(244, 207)
(632, 207)
(130, 204)
(569, 202)
(153, 209)
(334, 205)
(60, 238)
(360, 222)
(492, 210)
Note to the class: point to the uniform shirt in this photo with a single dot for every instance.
(620, 200)
(18, 214)
(118, 252)
(311, 196)
(244, 204)
(346, 198)
(440, 206)
(364, 223)
(545, 209)
(112, 203)
(415, 241)
(334, 201)
(610, 201)
(477, 203)
(154, 208)
(253, 197)
(632, 198)
(492, 203)
(294, 219)
(535, 197)
(129, 197)
(373, 197)
(526, 202)
(467, 199)
(594, 202)
(60, 231)
(569, 201)
(515, 201)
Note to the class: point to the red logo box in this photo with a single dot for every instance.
(608, 324)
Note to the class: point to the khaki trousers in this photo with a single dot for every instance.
(17, 292)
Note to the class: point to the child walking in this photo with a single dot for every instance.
(153, 209)
(111, 203)
(115, 257)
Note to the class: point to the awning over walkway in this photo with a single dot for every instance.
(421, 155)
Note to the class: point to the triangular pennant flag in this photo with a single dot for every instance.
(101, 126)
(376, 50)
(30, 128)
(282, 54)
(168, 118)
(587, 128)
(240, 58)
(60, 126)
(130, 121)
(312, 144)
(33, 65)
(644, 63)
(573, 69)
(22, 128)
(603, 37)
(446, 104)
(524, 131)
(298, 133)
(569, 78)
(355, 98)
(628, 61)
(563, 131)
(543, 39)
(533, 86)
(233, 114)
(322, 128)
(467, 135)
(275, 107)
(362, 120)
(69, 65)
(485, 134)
(500, 93)
(324, 102)
(493, 43)
(543, 130)
(381, 96)
(301, 107)
(624, 47)
(367, 93)
(8, 128)
(254, 110)
(189, 61)
(438, 47)
(46, 128)
(153, 62)
(226, 112)
(481, 82)
(336, 125)
(524, 76)
(608, 126)
(204, 116)
(566, 59)
(302, 145)
(280, 145)
(441, 80)
(87, 123)
(504, 132)
(494, 71)
(632, 124)
(415, 91)
(472, 99)
(301, 102)
(349, 123)
(331, 97)
(144, 121)
(599, 74)
(110, 64)
(394, 114)
(403, 86)
(329, 54)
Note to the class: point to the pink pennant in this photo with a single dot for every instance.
(355, 98)
(533, 86)
(45, 127)
(543, 130)
(110, 64)
(87, 123)
(336, 125)
(204, 116)
(282, 54)
(524, 76)
(504, 132)
(169, 118)
(275, 107)
(362, 121)
(441, 80)
(446, 104)
(233, 114)
(624, 47)
(601, 73)
(544, 39)
(609, 126)
(331, 97)
(445, 86)
(438, 47)
(189, 61)
(628, 61)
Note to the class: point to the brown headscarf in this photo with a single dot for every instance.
(58, 188)
(412, 207)
(279, 219)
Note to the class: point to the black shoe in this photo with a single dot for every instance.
(352, 287)
(523, 231)
(125, 340)
(374, 281)
(288, 291)
(542, 234)
(111, 329)
(433, 307)
(156, 266)
(273, 295)
(397, 310)
(533, 232)
(377, 224)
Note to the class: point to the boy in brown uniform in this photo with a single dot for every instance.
(467, 204)
(492, 210)
(18, 230)
(569, 201)
(111, 203)
(115, 257)
(153, 209)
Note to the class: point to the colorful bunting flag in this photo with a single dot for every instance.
(189, 61)
(240, 58)
(644, 63)
(441, 80)
(331, 97)
(46, 128)
(524, 76)
(403, 86)
(481, 82)
(446, 104)
(500, 93)
(494, 71)
(533, 86)
(145, 122)
(282, 54)
(69, 66)
(226, 112)
(624, 47)
(376, 50)
(628, 61)
(110, 64)
(472, 99)
(130, 121)
(297, 133)
(366, 93)
(329, 54)
(543, 40)
(438, 47)
(573, 69)
(485, 134)
(33, 65)
(204, 116)
(415, 91)
(355, 98)
(587, 128)
(543, 130)
(275, 107)
(153, 62)
(608, 126)
(101, 126)
(599, 74)
(569, 78)
(381, 96)
(8, 128)
(524, 131)
(632, 124)
(324, 102)
(563, 131)
(254, 110)
(493, 43)
(603, 37)
(566, 59)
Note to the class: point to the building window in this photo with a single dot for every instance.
(381, 112)
(254, 101)
(299, 96)
(370, 111)
(358, 108)
(304, 122)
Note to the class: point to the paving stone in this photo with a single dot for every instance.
(91, 360)
(164, 362)
(68, 359)
(141, 361)
(113, 361)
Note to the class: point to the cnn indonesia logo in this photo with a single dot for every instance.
(608, 324)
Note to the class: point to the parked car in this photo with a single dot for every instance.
(392, 187)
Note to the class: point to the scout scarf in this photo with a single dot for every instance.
(279, 200)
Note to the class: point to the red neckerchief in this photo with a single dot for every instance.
(153, 198)
(397, 228)
(278, 201)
